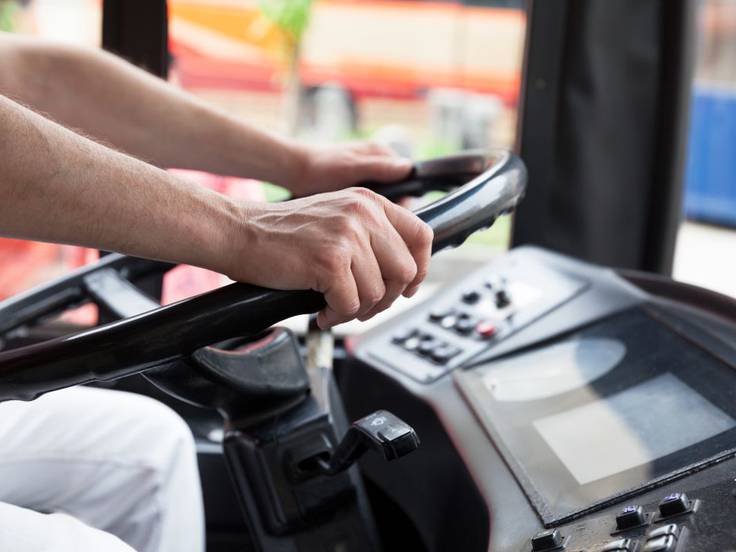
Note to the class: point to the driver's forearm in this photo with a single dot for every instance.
(57, 186)
(119, 104)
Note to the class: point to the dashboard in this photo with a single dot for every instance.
(583, 413)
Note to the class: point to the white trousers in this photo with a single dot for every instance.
(92, 470)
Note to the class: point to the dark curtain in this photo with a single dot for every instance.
(602, 128)
(137, 30)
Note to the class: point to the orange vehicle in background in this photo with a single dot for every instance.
(388, 48)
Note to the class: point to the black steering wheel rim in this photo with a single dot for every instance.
(167, 334)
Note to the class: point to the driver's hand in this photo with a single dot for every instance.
(329, 168)
(354, 246)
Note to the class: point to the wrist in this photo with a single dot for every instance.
(297, 162)
(224, 229)
(240, 239)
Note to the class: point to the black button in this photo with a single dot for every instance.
(426, 346)
(663, 531)
(412, 343)
(502, 299)
(403, 335)
(465, 325)
(438, 314)
(620, 545)
(471, 297)
(444, 353)
(661, 544)
(547, 540)
(674, 504)
(448, 322)
(630, 516)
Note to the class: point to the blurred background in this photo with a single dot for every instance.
(427, 77)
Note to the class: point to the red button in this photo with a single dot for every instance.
(486, 329)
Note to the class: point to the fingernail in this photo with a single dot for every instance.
(411, 292)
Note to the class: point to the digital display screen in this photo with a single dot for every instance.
(599, 414)
(631, 428)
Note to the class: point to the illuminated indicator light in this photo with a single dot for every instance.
(486, 329)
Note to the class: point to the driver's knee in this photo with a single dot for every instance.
(168, 448)
(23, 530)
(162, 433)
(162, 480)
(138, 452)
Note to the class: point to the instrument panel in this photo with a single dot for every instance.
(592, 417)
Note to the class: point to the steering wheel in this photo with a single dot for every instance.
(149, 336)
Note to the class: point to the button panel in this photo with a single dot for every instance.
(426, 345)
(471, 317)
(649, 535)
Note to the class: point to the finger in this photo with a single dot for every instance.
(393, 256)
(398, 268)
(411, 290)
(416, 235)
(377, 148)
(382, 168)
(343, 302)
(368, 279)
(393, 291)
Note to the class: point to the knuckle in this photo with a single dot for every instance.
(364, 193)
(351, 308)
(330, 261)
(425, 235)
(376, 294)
(407, 272)
(361, 210)
(347, 229)
(356, 207)
(420, 275)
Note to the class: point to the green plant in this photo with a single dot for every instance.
(8, 9)
(291, 17)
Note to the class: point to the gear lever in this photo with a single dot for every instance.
(380, 431)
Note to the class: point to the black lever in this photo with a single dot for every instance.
(381, 431)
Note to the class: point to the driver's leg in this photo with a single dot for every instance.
(119, 462)
(23, 530)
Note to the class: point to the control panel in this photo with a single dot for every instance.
(660, 521)
(485, 309)
(593, 416)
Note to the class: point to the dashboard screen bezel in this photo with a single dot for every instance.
(546, 480)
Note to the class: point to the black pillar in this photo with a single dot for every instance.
(603, 124)
(137, 30)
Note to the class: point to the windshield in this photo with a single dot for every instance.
(707, 239)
